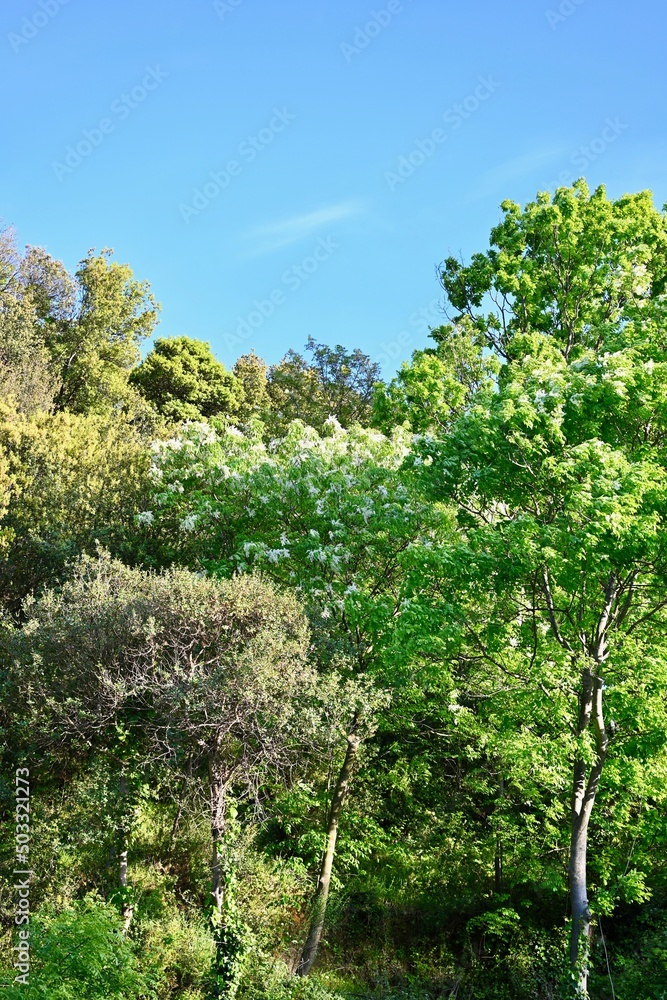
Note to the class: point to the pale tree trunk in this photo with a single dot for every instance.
(309, 952)
(584, 789)
(218, 783)
(123, 837)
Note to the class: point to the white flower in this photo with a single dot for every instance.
(146, 517)
(326, 613)
(283, 539)
(513, 642)
(188, 523)
(275, 555)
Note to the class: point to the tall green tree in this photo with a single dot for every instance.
(205, 675)
(252, 373)
(95, 349)
(560, 479)
(70, 342)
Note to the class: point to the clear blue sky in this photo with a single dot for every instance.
(313, 104)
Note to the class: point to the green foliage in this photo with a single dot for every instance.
(252, 373)
(72, 481)
(183, 379)
(80, 954)
(96, 349)
(457, 578)
(334, 382)
(439, 384)
(69, 343)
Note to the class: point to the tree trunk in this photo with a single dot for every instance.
(309, 952)
(218, 782)
(584, 789)
(123, 836)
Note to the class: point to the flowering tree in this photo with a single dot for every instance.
(560, 478)
(330, 515)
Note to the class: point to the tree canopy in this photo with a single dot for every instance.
(323, 686)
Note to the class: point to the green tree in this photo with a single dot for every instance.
(206, 675)
(252, 373)
(27, 379)
(35, 290)
(66, 342)
(330, 515)
(72, 481)
(333, 382)
(439, 383)
(560, 478)
(185, 381)
(95, 350)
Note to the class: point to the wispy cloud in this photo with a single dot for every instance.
(512, 170)
(276, 235)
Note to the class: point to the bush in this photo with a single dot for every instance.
(79, 954)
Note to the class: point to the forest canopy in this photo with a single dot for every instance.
(328, 686)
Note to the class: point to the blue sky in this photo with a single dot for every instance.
(277, 170)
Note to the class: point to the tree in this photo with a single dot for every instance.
(72, 481)
(185, 381)
(252, 373)
(27, 379)
(172, 667)
(95, 350)
(330, 515)
(69, 343)
(560, 478)
(438, 384)
(35, 290)
(333, 382)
